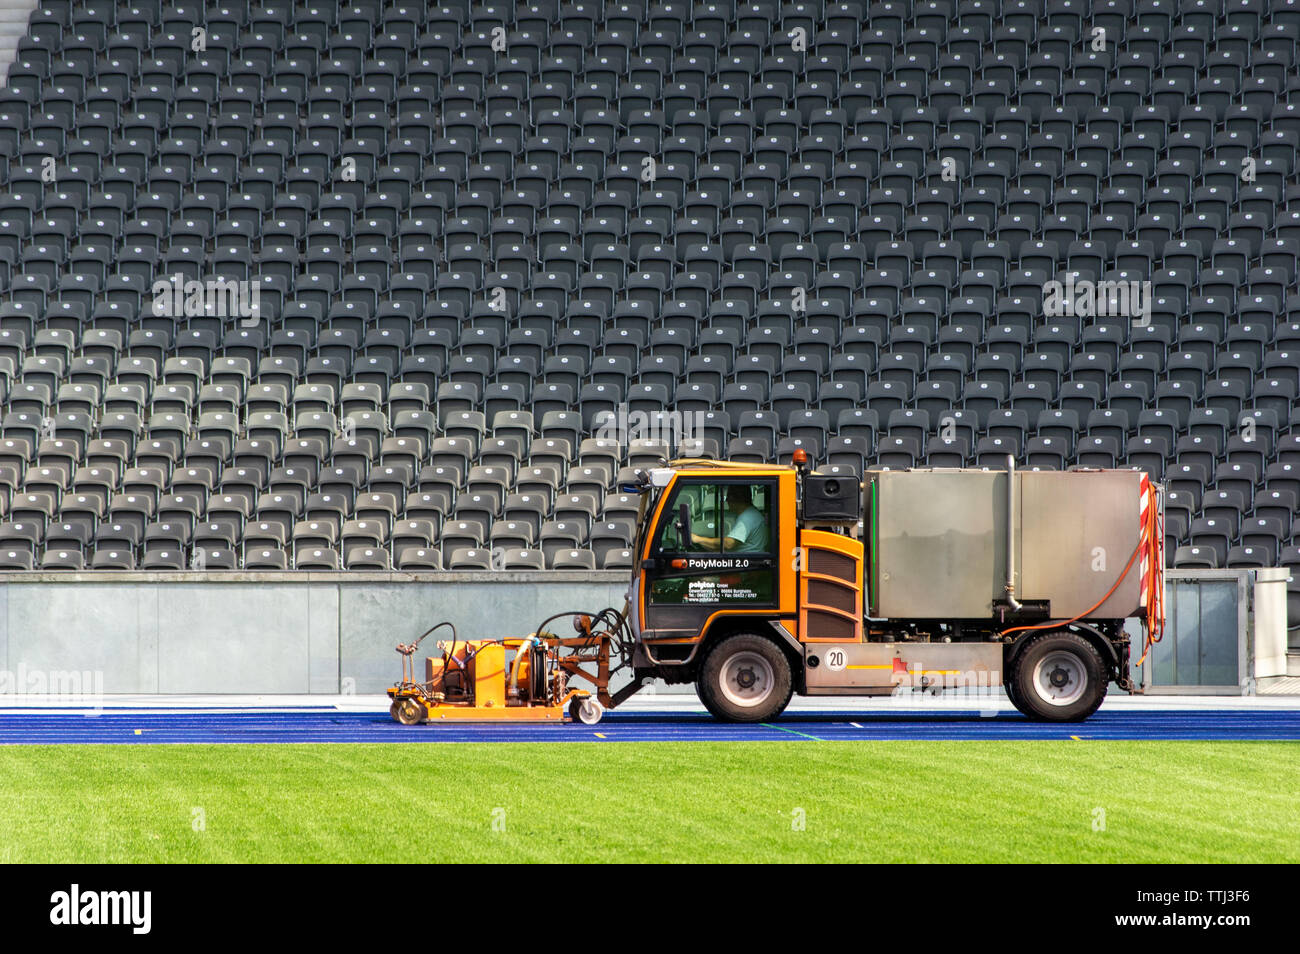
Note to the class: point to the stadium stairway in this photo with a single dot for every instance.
(14, 15)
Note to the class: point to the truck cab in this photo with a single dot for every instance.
(730, 555)
(714, 551)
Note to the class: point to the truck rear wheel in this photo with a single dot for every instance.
(745, 678)
(1058, 677)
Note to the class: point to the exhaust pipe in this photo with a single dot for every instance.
(1010, 586)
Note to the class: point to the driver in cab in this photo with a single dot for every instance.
(744, 526)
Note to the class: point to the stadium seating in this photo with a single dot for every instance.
(474, 229)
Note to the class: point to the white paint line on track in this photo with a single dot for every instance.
(660, 702)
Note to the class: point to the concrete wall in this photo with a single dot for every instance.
(302, 632)
(273, 633)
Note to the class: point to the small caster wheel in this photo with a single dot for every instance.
(587, 711)
(392, 711)
(410, 712)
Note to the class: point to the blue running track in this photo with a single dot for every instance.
(156, 727)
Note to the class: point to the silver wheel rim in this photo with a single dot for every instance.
(747, 679)
(1060, 678)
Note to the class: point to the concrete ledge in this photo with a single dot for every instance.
(313, 576)
(676, 699)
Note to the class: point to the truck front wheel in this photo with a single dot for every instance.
(1058, 677)
(745, 678)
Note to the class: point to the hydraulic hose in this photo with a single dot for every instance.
(528, 643)
(1153, 526)
(408, 651)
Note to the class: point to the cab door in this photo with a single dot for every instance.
(713, 548)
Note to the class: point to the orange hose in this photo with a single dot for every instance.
(1155, 589)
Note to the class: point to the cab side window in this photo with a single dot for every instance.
(724, 518)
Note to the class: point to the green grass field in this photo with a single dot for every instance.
(690, 801)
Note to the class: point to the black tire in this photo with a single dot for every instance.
(1009, 684)
(1010, 687)
(1058, 677)
(724, 682)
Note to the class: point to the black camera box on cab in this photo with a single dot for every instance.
(831, 499)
